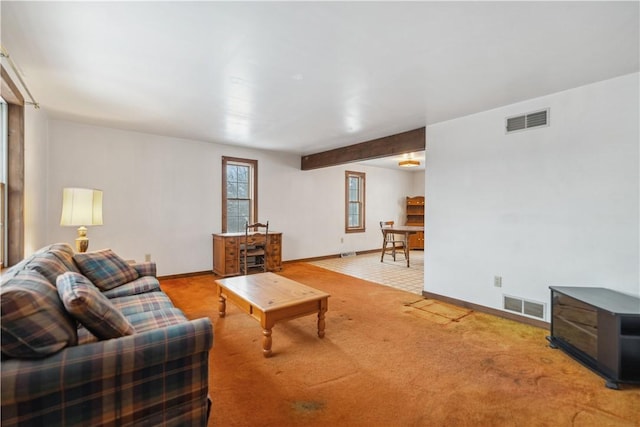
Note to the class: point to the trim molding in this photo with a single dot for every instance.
(211, 273)
(488, 310)
(460, 303)
(185, 275)
(320, 258)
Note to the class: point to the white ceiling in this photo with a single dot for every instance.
(304, 77)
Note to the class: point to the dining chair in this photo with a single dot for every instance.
(397, 241)
(254, 249)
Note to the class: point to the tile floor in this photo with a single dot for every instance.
(388, 273)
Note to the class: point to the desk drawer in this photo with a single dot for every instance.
(255, 240)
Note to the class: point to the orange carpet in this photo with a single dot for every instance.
(391, 358)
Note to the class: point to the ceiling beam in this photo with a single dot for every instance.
(400, 143)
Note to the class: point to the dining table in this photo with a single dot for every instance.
(404, 230)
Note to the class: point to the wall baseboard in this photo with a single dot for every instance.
(184, 275)
(488, 310)
(291, 261)
(460, 303)
(320, 258)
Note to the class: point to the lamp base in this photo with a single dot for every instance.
(82, 242)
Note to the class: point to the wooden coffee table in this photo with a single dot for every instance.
(269, 298)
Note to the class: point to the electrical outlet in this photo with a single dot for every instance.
(147, 257)
(342, 240)
(497, 281)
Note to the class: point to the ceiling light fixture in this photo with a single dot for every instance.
(408, 163)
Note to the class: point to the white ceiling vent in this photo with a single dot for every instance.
(527, 121)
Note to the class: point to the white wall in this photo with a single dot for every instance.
(417, 184)
(162, 196)
(550, 206)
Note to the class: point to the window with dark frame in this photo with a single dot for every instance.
(239, 193)
(15, 164)
(354, 202)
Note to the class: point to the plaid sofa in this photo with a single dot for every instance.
(133, 358)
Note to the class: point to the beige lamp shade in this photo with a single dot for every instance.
(81, 207)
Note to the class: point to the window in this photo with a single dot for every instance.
(3, 181)
(354, 201)
(14, 173)
(239, 193)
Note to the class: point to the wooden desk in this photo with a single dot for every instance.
(405, 230)
(226, 252)
(269, 298)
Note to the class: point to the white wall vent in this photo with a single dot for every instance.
(525, 307)
(527, 121)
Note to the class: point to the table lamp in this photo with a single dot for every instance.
(81, 207)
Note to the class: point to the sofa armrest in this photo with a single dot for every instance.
(145, 268)
(129, 379)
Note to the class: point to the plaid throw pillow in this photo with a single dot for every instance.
(49, 265)
(64, 253)
(105, 269)
(34, 321)
(86, 303)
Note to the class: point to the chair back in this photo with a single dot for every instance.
(255, 247)
(257, 227)
(385, 224)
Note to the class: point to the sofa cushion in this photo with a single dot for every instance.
(85, 336)
(147, 268)
(65, 254)
(149, 320)
(142, 321)
(134, 304)
(33, 319)
(61, 247)
(49, 265)
(105, 269)
(86, 303)
(12, 271)
(150, 301)
(141, 285)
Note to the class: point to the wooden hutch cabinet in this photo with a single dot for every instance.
(415, 216)
(226, 252)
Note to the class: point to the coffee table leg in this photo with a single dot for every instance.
(321, 324)
(222, 306)
(321, 312)
(266, 342)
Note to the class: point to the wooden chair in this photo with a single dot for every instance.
(397, 242)
(254, 249)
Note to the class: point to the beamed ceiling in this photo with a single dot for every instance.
(307, 77)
